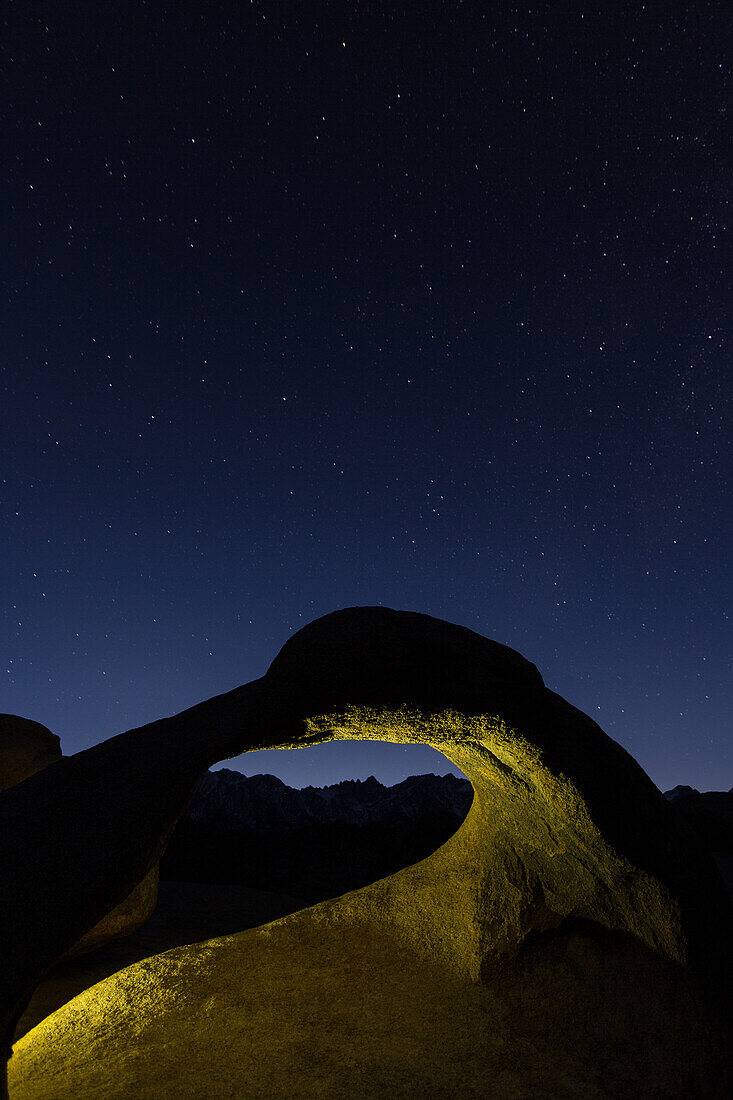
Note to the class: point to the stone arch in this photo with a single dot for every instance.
(564, 821)
(527, 856)
(564, 825)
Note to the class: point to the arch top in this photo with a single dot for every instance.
(377, 656)
(592, 835)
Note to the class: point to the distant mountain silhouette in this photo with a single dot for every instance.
(263, 803)
(680, 791)
(320, 842)
(313, 843)
(710, 814)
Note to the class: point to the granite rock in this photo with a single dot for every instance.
(569, 856)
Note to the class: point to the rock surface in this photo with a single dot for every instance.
(186, 913)
(571, 921)
(134, 910)
(25, 748)
(300, 1008)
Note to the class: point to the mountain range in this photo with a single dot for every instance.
(319, 842)
(315, 843)
(263, 804)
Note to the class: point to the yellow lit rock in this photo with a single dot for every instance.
(562, 943)
(320, 1006)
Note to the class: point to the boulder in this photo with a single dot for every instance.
(25, 748)
(571, 938)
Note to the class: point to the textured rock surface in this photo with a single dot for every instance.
(186, 913)
(493, 951)
(304, 1009)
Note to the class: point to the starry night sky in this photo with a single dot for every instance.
(309, 305)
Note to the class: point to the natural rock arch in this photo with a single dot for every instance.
(564, 827)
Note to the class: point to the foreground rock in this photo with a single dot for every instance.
(186, 913)
(25, 748)
(28, 747)
(571, 922)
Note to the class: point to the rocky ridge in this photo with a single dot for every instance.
(228, 800)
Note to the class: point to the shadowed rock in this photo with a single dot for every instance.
(566, 837)
(26, 748)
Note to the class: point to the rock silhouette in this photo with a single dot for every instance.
(25, 748)
(710, 816)
(28, 747)
(571, 883)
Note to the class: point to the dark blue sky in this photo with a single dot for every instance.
(313, 305)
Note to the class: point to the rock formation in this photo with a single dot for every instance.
(709, 814)
(27, 748)
(571, 922)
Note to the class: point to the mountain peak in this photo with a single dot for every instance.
(680, 791)
(264, 804)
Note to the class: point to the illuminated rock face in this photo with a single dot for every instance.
(567, 923)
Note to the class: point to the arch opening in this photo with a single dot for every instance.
(548, 867)
(251, 848)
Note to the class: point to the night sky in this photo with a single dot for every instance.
(311, 305)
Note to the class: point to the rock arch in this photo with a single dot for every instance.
(565, 832)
